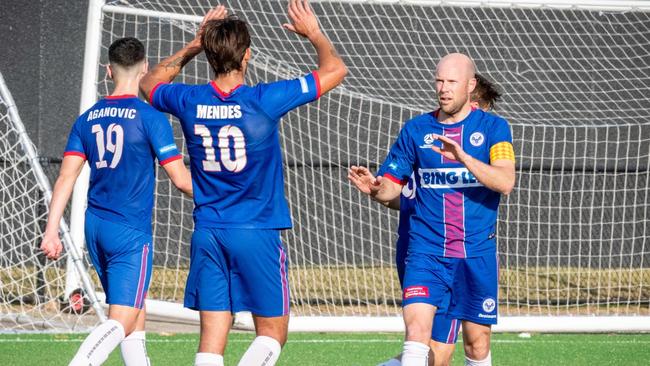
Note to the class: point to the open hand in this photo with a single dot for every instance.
(361, 177)
(216, 13)
(303, 20)
(450, 148)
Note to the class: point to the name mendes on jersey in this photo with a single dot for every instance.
(218, 111)
(447, 178)
(128, 113)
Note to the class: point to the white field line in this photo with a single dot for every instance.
(323, 341)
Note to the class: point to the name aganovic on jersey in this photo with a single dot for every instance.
(447, 178)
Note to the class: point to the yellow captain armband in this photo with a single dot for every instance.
(502, 151)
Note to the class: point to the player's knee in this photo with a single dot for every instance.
(477, 348)
(274, 329)
(418, 332)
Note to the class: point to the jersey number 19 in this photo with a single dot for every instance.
(114, 147)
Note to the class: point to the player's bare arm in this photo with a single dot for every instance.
(170, 67)
(70, 169)
(498, 176)
(180, 176)
(331, 69)
(363, 180)
(385, 190)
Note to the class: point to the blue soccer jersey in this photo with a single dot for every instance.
(233, 141)
(454, 215)
(120, 137)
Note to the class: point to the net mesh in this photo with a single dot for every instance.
(32, 288)
(572, 237)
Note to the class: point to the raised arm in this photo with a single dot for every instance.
(70, 169)
(331, 69)
(170, 67)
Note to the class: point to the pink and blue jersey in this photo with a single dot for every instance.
(233, 141)
(454, 215)
(121, 137)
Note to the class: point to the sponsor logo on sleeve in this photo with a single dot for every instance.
(167, 148)
(303, 85)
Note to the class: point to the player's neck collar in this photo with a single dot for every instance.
(121, 96)
(435, 114)
(221, 92)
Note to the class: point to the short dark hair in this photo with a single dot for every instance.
(126, 52)
(485, 93)
(225, 42)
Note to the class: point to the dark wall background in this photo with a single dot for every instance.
(41, 59)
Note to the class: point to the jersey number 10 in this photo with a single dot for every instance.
(210, 164)
(114, 147)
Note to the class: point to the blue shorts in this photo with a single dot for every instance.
(466, 288)
(122, 257)
(238, 269)
(445, 328)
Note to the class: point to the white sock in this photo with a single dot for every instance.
(208, 359)
(391, 362)
(134, 350)
(484, 362)
(264, 351)
(415, 354)
(99, 344)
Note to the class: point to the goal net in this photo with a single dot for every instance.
(572, 237)
(31, 287)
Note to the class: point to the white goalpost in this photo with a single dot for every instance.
(573, 237)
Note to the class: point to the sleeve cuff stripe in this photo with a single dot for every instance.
(394, 179)
(75, 153)
(154, 90)
(169, 160)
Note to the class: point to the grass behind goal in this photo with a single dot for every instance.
(316, 349)
(574, 290)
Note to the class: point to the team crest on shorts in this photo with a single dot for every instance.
(489, 304)
(476, 139)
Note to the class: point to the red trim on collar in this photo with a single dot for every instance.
(221, 92)
(123, 96)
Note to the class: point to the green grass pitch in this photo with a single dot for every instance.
(346, 349)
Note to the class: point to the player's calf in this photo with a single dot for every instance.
(99, 344)
(266, 347)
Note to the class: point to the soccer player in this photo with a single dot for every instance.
(462, 160)
(445, 329)
(237, 260)
(121, 137)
